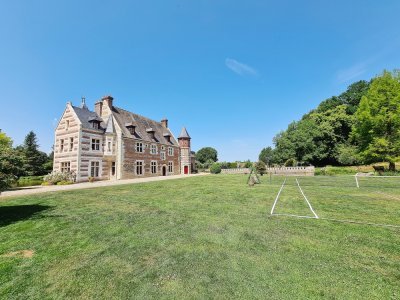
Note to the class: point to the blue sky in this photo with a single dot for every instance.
(234, 73)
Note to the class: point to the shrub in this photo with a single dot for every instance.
(291, 162)
(260, 167)
(91, 179)
(215, 168)
(64, 182)
(29, 181)
(55, 177)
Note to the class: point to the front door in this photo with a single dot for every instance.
(164, 171)
(186, 169)
(113, 171)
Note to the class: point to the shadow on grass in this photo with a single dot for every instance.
(15, 213)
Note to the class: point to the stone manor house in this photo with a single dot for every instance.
(112, 143)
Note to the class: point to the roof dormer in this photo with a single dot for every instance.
(94, 121)
(131, 127)
(151, 132)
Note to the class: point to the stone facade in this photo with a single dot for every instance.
(112, 143)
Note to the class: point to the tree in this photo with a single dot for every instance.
(377, 128)
(207, 153)
(260, 167)
(266, 155)
(10, 162)
(34, 160)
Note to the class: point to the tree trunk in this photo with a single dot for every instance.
(392, 166)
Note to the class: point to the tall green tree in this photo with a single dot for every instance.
(10, 162)
(267, 156)
(206, 154)
(377, 128)
(34, 160)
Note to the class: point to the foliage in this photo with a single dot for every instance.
(34, 160)
(377, 129)
(208, 164)
(347, 155)
(65, 182)
(10, 163)
(248, 164)
(30, 181)
(215, 168)
(267, 156)
(55, 177)
(206, 154)
(291, 162)
(260, 167)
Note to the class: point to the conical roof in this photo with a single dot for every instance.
(184, 134)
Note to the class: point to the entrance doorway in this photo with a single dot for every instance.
(113, 170)
(164, 171)
(186, 170)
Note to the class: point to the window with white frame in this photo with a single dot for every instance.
(170, 151)
(162, 147)
(94, 169)
(61, 145)
(170, 167)
(153, 149)
(71, 144)
(95, 144)
(108, 149)
(139, 167)
(162, 155)
(65, 167)
(139, 147)
(153, 165)
(95, 125)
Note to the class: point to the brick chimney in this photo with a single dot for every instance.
(98, 108)
(164, 123)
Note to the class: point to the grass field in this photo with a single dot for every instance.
(204, 237)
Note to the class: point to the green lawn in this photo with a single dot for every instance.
(203, 237)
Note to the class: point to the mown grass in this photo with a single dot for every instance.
(200, 237)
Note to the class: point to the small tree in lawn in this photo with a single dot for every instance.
(34, 160)
(377, 128)
(260, 167)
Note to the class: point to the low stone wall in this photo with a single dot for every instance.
(300, 171)
(236, 171)
(288, 171)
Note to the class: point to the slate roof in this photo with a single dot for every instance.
(184, 134)
(143, 126)
(85, 115)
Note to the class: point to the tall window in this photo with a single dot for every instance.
(162, 155)
(95, 144)
(170, 167)
(65, 167)
(71, 144)
(170, 151)
(66, 124)
(94, 169)
(95, 125)
(153, 149)
(61, 145)
(139, 167)
(139, 147)
(153, 167)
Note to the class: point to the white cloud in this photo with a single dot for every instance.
(351, 73)
(240, 68)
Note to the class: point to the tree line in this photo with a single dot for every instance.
(359, 126)
(23, 160)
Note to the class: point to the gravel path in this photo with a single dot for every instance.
(87, 185)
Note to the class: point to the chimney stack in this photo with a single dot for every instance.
(98, 108)
(164, 123)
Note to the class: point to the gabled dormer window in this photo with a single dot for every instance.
(95, 125)
(131, 128)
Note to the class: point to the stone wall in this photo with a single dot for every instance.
(287, 171)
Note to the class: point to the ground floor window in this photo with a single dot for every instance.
(170, 167)
(153, 167)
(94, 169)
(65, 167)
(139, 167)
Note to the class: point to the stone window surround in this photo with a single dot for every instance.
(142, 169)
(153, 164)
(153, 149)
(170, 151)
(95, 143)
(65, 166)
(99, 167)
(139, 147)
(170, 167)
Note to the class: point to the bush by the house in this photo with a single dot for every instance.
(55, 177)
(215, 168)
(29, 181)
